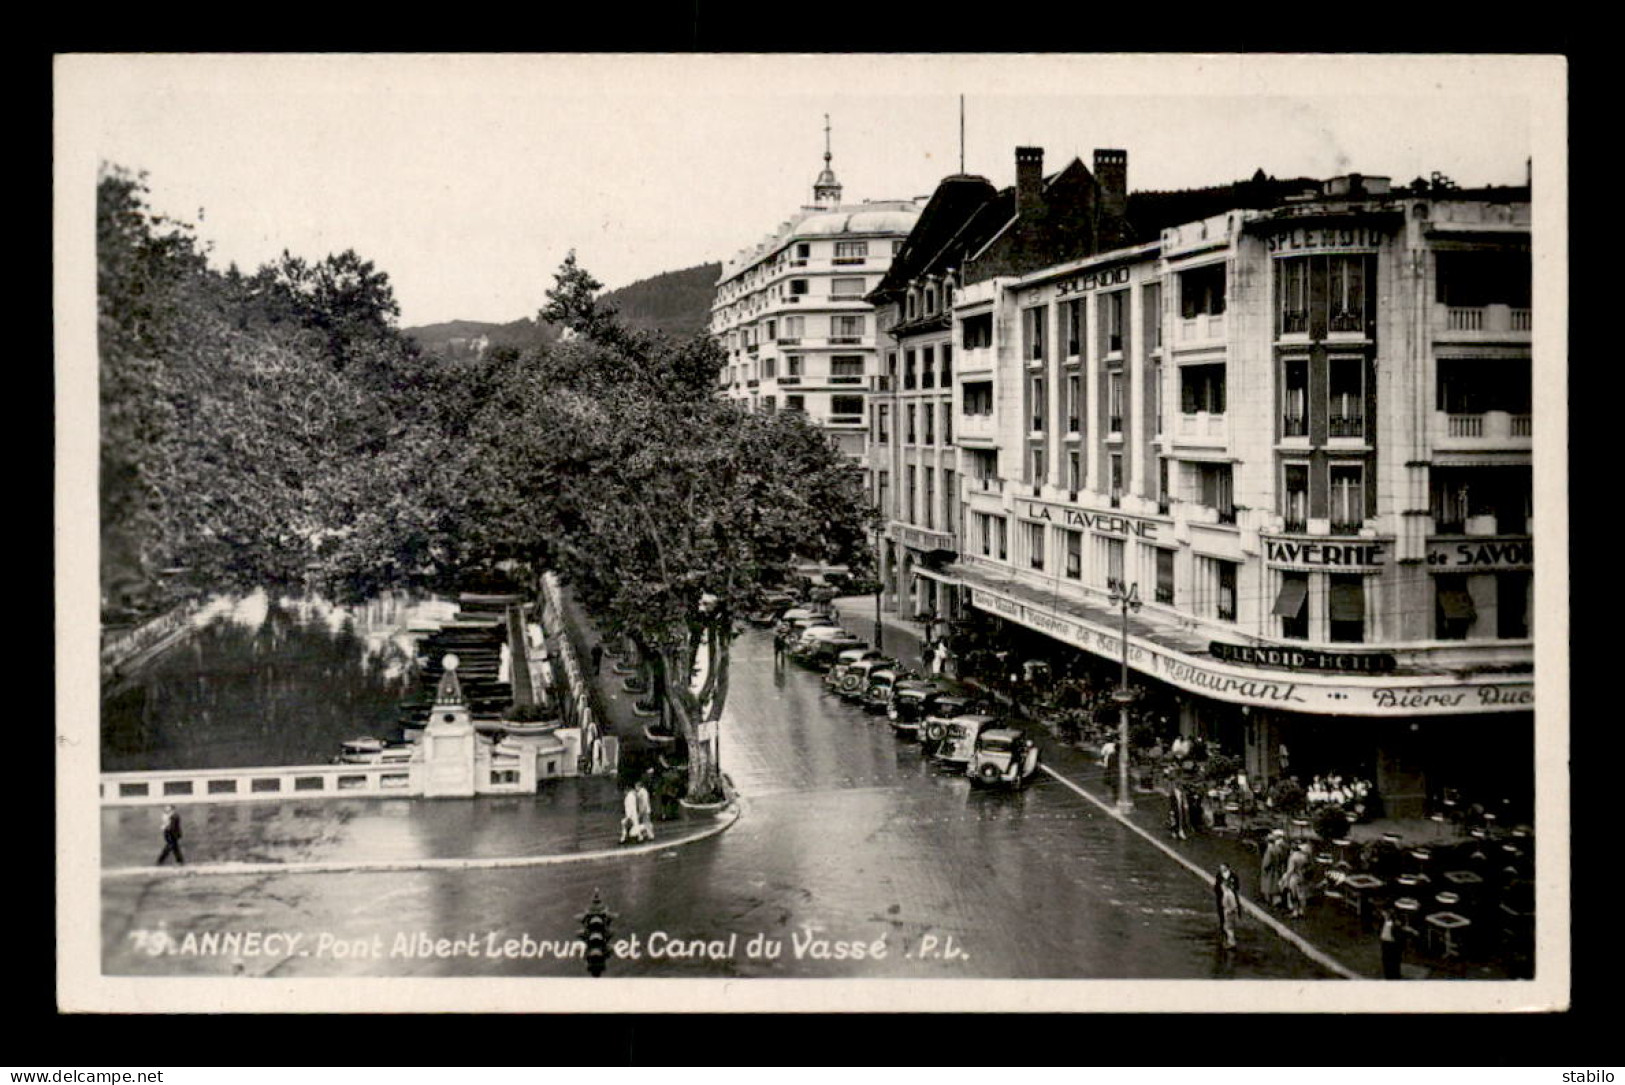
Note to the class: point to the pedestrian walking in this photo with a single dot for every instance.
(629, 815)
(172, 837)
(1273, 868)
(1393, 950)
(597, 656)
(646, 821)
(1227, 902)
(1296, 882)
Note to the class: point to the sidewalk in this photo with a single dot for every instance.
(1334, 930)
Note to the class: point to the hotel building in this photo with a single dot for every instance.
(1299, 428)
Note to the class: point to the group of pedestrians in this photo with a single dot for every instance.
(1283, 877)
(637, 821)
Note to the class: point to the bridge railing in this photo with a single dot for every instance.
(255, 784)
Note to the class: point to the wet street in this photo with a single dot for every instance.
(854, 857)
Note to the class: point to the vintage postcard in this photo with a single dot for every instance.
(779, 532)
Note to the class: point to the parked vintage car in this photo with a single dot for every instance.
(959, 743)
(855, 682)
(941, 711)
(910, 704)
(1003, 756)
(845, 659)
(772, 606)
(820, 646)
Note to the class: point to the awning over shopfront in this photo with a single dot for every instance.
(1347, 602)
(1457, 605)
(1294, 593)
(933, 574)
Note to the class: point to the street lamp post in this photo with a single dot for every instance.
(880, 587)
(1125, 597)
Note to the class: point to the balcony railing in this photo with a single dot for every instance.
(928, 379)
(1346, 527)
(908, 382)
(1114, 423)
(1038, 423)
(990, 484)
(1295, 525)
(1465, 425)
(1295, 425)
(1201, 424)
(1165, 596)
(1464, 320)
(1202, 326)
(845, 340)
(1227, 516)
(1073, 425)
(845, 379)
(846, 420)
(1487, 318)
(1293, 323)
(845, 260)
(1522, 425)
(1487, 426)
(1522, 320)
(1345, 321)
(791, 341)
(790, 380)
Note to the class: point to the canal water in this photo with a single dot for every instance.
(259, 680)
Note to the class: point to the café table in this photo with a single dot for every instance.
(1462, 878)
(1359, 886)
(1438, 826)
(1408, 907)
(1445, 925)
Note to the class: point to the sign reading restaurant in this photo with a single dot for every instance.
(1106, 523)
(1357, 694)
(1303, 659)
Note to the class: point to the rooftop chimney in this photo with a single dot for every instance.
(1111, 174)
(1029, 179)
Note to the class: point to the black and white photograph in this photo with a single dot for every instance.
(844, 532)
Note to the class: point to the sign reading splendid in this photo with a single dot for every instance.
(1324, 238)
(1108, 277)
(1303, 659)
(1324, 555)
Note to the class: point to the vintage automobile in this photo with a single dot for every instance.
(941, 711)
(1002, 756)
(845, 659)
(911, 699)
(959, 743)
(855, 682)
(772, 605)
(877, 694)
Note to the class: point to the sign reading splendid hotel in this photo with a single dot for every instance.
(1323, 239)
(1303, 659)
(1105, 523)
(1312, 555)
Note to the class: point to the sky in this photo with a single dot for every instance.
(467, 179)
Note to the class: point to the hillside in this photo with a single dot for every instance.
(675, 302)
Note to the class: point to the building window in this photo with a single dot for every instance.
(1453, 612)
(798, 287)
(1165, 577)
(1346, 604)
(1512, 605)
(1037, 460)
(910, 432)
(1345, 413)
(1114, 310)
(911, 494)
(1292, 606)
(976, 331)
(1470, 386)
(950, 500)
(947, 364)
(908, 370)
(1114, 401)
(930, 300)
(1074, 471)
(1201, 291)
(1295, 397)
(1074, 402)
(1295, 496)
(770, 368)
(928, 367)
(803, 250)
(1202, 388)
(847, 289)
(1074, 555)
(1164, 498)
(1470, 280)
(1114, 562)
(1346, 295)
(1032, 331)
(1116, 462)
(851, 250)
(1293, 275)
(928, 414)
(984, 527)
(882, 424)
(930, 497)
(1035, 545)
(792, 365)
(1226, 609)
(882, 493)
(978, 398)
(1035, 396)
(1348, 497)
(1001, 532)
(846, 365)
(947, 421)
(1072, 323)
(796, 403)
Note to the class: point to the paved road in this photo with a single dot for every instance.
(850, 842)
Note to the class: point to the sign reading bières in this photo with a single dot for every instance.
(1303, 659)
